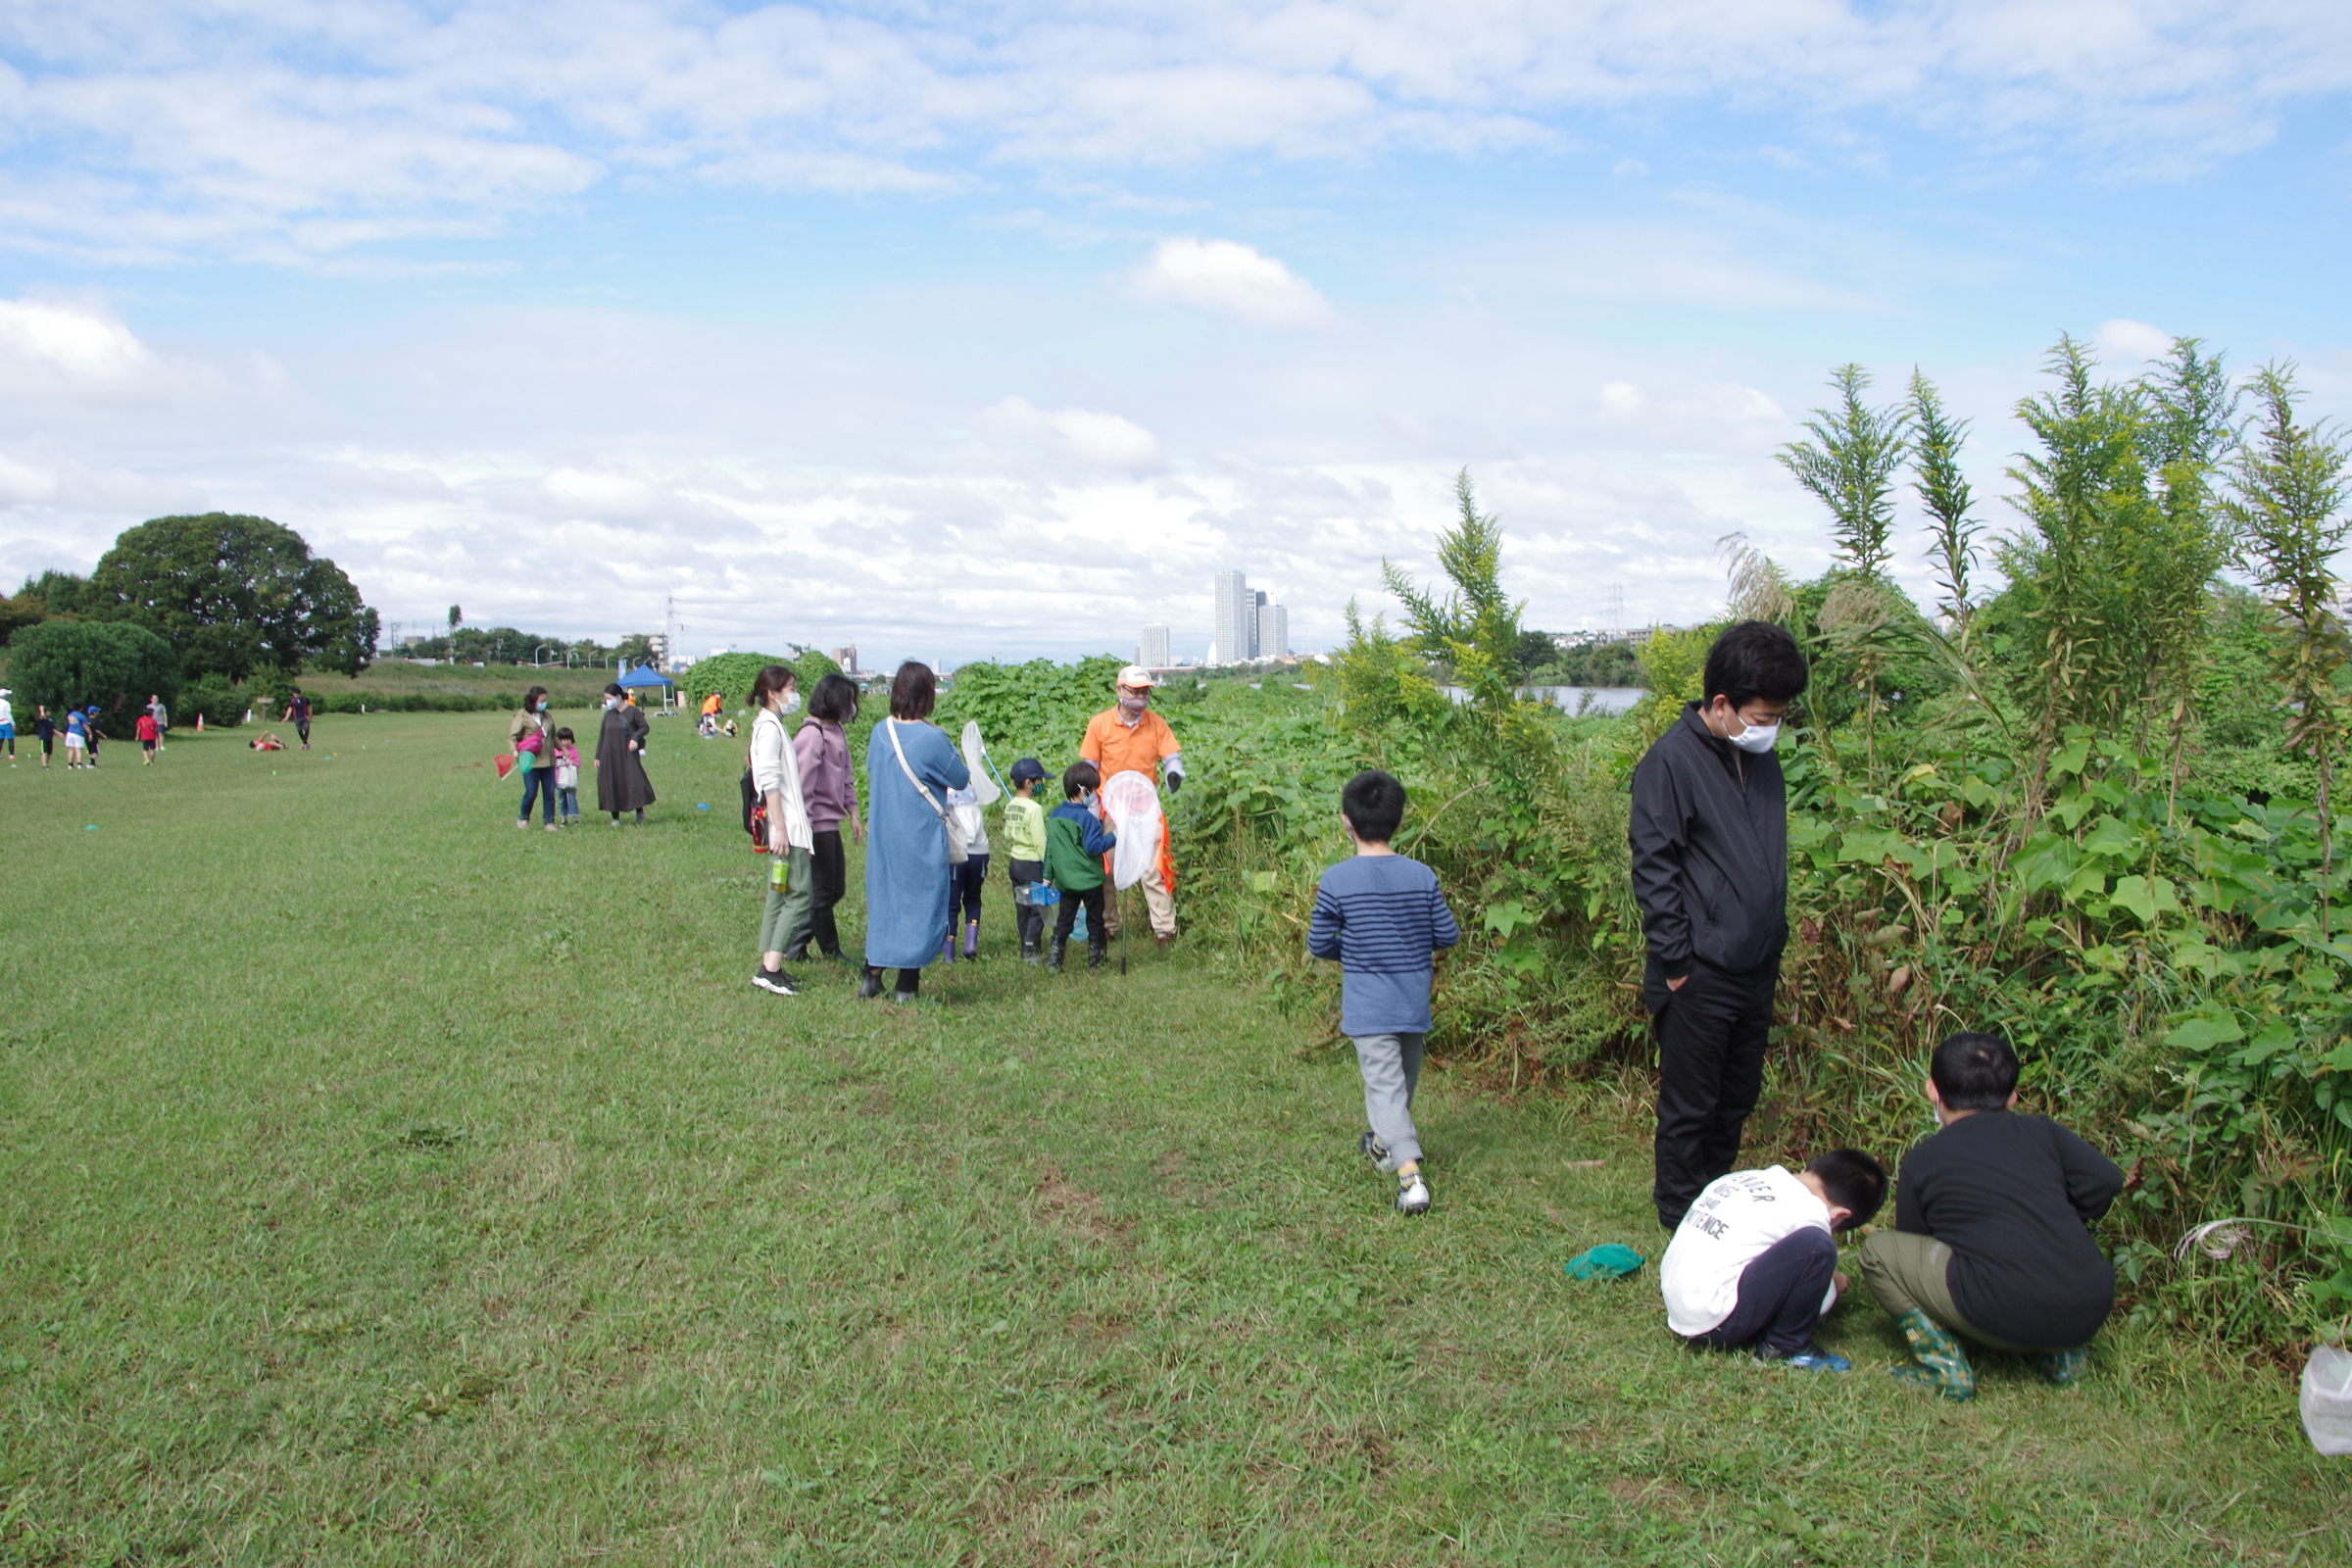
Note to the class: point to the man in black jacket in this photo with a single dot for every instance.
(1710, 842)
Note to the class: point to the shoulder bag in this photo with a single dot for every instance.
(958, 851)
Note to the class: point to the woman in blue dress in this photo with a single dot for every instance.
(907, 834)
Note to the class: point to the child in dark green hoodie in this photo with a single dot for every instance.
(1076, 840)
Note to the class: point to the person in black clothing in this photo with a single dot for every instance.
(298, 715)
(1991, 1237)
(1710, 840)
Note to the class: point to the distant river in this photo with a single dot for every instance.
(1574, 699)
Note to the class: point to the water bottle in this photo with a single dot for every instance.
(778, 873)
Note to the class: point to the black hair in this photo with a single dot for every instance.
(1975, 1072)
(563, 733)
(835, 700)
(530, 699)
(1078, 778)
(914, 691)
(1853, 1181)
(1375, 805)
(613, 688)
(773, 680)
(1754, 660)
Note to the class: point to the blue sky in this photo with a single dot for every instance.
(969, 330)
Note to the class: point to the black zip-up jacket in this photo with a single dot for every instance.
(1710, 840)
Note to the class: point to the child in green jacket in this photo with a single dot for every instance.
(1025, 853)
(1076, 840)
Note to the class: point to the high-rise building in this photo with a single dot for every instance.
(1273, 631)
(1235, 612)
(1258, 608)
(1152, 651)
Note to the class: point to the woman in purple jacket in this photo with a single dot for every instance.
(830, 788)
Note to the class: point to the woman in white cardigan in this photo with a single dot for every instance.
(777, 778)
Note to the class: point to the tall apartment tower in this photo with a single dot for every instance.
(1273, 631)
(1258, 608)
(1236, 611)
(1152, 651)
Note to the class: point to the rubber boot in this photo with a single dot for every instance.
(1098, 947)
(871, 986)
(971, 939)
(1942, 1363)
(2062, 1369)
(947, 946)
(1061, 945)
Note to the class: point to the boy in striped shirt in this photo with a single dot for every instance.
(1382, 915)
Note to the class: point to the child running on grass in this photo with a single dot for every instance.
(1382, 915)
(150, 734)
(1992, 1237)
(1076, 840)
(1753, 1265)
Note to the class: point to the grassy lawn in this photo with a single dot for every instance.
(380, 1184)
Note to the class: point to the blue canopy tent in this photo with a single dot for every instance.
(645, 676)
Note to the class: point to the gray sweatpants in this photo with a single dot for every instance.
(1391, 1069)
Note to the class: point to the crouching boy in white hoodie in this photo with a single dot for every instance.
(1753, 1265)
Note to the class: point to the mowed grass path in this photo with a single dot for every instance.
(380, 1184)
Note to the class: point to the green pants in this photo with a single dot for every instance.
(1905, 1272)
(784, 923)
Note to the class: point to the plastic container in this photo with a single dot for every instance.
(2328, 1400)
(1036, 896)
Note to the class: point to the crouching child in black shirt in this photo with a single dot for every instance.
(1992, 1237)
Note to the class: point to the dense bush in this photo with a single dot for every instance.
(116, 665)
(732, 674)
(219, 704)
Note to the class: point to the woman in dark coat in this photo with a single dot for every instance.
(620, 781)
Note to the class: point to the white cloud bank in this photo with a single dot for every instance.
(1231, 280)
(293, 133)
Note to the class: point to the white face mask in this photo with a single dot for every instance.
(789, 703)
(1757, 738)
(612, 702)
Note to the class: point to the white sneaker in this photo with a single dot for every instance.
(1412, 1195)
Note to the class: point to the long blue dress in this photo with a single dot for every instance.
(905, 847)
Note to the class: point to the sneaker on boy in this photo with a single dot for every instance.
(1992, 1237)
(1382, 915)
(1753, 1265)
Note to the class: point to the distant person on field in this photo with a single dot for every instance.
(776, 780)
(78, 738)
(1025, 853)
(1383, 917)
(8, 725)
(533, 739)
(567, 776)
(910, 767)
(45, 728)
(620, 781)
(150, 735)
(298, 715)
(1709, 833)
(1992, 1237)
(92, 732)
(829, 790)
(965, 881)
(268, 742)
(1076, 840)
(1754, 1264)
(162, 716)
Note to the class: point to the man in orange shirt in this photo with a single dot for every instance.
(1129, 738)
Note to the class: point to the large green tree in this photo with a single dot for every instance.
(234, 595)
(116, 665)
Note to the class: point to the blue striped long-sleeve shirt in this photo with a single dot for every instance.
(1383, 918)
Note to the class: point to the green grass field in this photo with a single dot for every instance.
(380, 1184)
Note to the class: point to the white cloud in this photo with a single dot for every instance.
(1093, 438)
(286, 133)
(81, 346)
(2127, 344)
(1231, 280)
